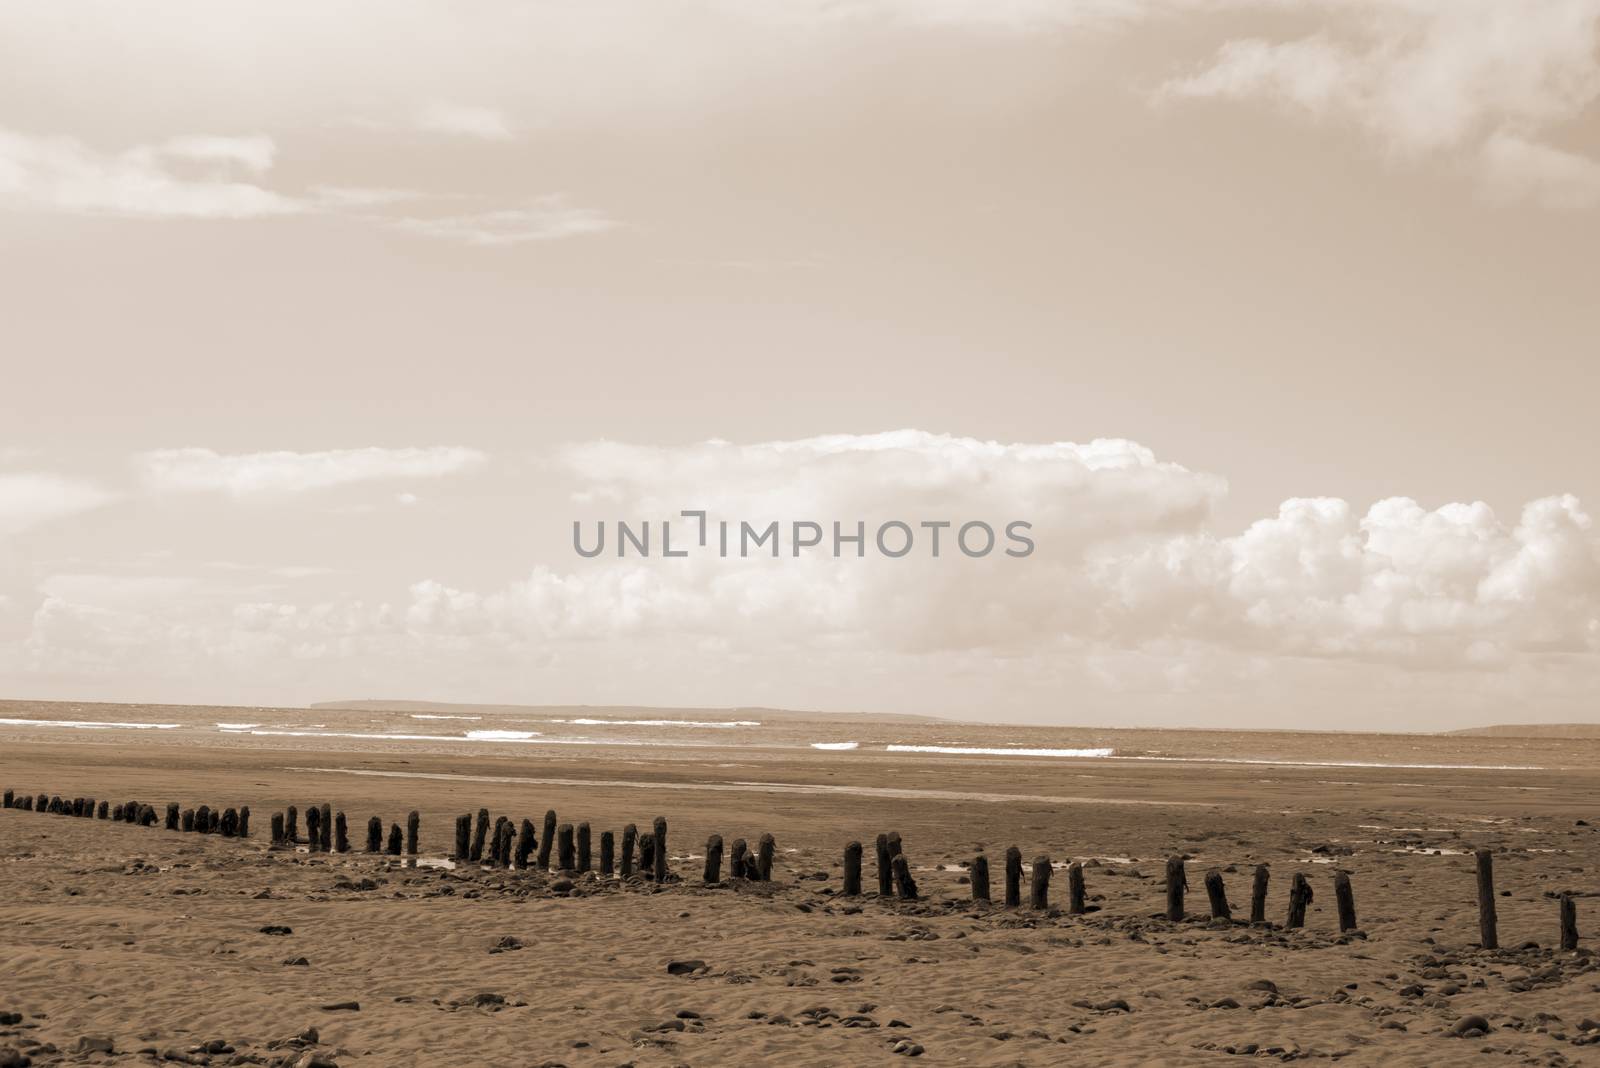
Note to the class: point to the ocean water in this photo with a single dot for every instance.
(709, 737)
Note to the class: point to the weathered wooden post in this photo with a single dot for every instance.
(526, 842)
(173, 814)
(608, 853)
(327, 827)
(659, 834)
(508, 840)
(10, 796)
(341, 833)
(1039, 885)
(885, 866)
(713, 872)
(413, 829)
(1346, 899)
(1218, 895)
(43, 805)
(1258, 894)
(904, 886)
(1299, 897)
(1013, 878)
(188, 819)
(292, 824)
(736, 859)
(88, 808)
(230, 822)
(463, 837)
(647, 853)
(547, 840)
(1569, 923)
(314, 828)
(375, 834)
(202, 820)
(584, 856)
(479, 833)
(277, 828)
(1177, 883)
(1077, 896)
(979, 877)
(1488, 935)
(244, 822)
(852, 869)
(764, 850)
(630, 835)
(567, 858)
(103, 810)
(76, 808)
(496, 839)
(395, 840)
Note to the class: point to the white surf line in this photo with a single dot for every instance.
(905, 793)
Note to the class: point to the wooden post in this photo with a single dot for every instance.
(547, 840)
(885, 875)
(568, 859)
(341, 833)
(904, 886)
(1013, 878)
(202, 820)
(1258, 894)
(463, 836)
(1488, 935)
(1177, 883)
(1218, 895)
(244, 822)
(42, 804)
(1077, 896)
(647, 853)
(292, 824)
(764, 851)
(736, 859)
(327, 827)
(1039, 885)
(527, 840)
(608, 853)
(413, 826)
(980, 878)
(230, 822)
(630, 834)
(1569, 923)
(496, 840)
(187, 821)
(584, 856)
(277, 828)
(479, 833)
(103, 810)
(1346, 900)
(10, 796)
(88, 809)
(375, 833)
(659, 833)
(852, 870)
(314, 827)
(1299, 897)
(395, 840)
(508, 835)
(713, 872)
(173, 813)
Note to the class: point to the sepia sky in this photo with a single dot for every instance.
(321, 322)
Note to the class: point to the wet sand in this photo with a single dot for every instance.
(154, 940)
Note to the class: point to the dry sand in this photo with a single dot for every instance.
(155, 941)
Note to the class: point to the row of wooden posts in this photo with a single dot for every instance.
(509, 846)
(329, 832)
(230, 823)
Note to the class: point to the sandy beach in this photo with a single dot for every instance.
(145, 944)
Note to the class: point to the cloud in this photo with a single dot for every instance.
(485, 124)
(549, 218)
(186, 177)
(29, 500)
(246, 474)
(1480, 80)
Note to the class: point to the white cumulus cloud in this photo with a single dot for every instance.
(244, 474)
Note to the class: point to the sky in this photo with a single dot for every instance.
(322, 326)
